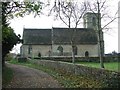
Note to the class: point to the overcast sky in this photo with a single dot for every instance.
(110, 37)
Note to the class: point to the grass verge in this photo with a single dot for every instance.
(114, 66)
(65, 79)
(7, 76)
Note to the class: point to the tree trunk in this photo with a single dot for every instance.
(73, 55)
(100, 38)
(101, 54)
(3, 60)
(3, 64)
(101, 62)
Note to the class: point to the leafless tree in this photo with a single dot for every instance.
(101, 8)
(70, 13)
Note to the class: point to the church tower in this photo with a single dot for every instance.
(91, 21)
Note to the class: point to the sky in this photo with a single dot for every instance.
(42, 21)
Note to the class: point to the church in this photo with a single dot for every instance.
(56, 42)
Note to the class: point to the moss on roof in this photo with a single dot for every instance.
(37, 36)
(79, 36)
(59, 36)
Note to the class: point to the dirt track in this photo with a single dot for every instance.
(25, 77)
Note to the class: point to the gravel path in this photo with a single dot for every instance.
(25, 77)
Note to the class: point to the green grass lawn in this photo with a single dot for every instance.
(7, 76)
(114, 66)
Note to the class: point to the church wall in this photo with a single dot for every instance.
(66, 50)
(43, 49)
(92, 50)
(36, 49)
(24, 50)
(81, 49)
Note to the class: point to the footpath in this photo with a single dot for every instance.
(25, 77)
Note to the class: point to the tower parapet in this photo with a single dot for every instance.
(91, 20)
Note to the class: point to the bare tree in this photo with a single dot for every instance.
(100, 8)
(70, 13)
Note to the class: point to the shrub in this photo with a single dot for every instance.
(8, 57)
(22, 59)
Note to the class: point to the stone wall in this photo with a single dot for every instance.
(92, 50)
(36, 49)
(47, 50)
(82, 59)
(111, 78)
(81, 49)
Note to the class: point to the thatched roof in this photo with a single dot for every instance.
(79, 36)
(37, 36)
(59, 36)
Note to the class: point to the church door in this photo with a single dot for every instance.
(86, 54)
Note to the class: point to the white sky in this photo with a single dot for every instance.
(110, 37)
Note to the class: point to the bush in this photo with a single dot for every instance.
(22, 59)
(7, 76)
(8, 57)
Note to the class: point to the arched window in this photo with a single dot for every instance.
(86, 54)
(75, 50)
(39, 54)
(29, 49)
(94, 21)
(60, 49)
(85, 23)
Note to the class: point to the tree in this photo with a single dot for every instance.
(9, 40)
(9, 11)
(70, 13)
(100, 8)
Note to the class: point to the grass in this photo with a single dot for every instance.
(7, 76)
(65, 79)
(108, 65)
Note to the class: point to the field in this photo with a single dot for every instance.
(114, 66)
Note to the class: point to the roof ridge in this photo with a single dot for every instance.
(37, 28)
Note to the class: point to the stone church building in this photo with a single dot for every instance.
(56, 42)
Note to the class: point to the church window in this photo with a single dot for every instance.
(94, 21)
(75, 50)
(29, 49)
(86, 54)
(60, 49)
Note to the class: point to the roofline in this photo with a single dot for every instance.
(71, 28)
(89, 13)
(36, 28)
(54, 28)
(63, 44)
(36, 44)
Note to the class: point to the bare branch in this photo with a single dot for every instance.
(63, 20)
(102, 4)
(109, 23)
